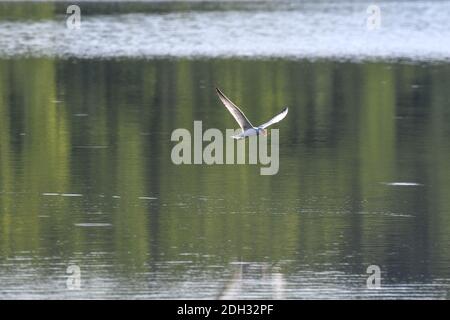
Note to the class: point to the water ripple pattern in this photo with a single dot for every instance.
(411, 31)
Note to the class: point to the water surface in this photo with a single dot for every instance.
(86, 177)
(364, 179)
(411, 30)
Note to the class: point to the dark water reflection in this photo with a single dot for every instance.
(86, 179)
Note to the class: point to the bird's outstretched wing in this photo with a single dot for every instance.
(275, 119)
(238, 115)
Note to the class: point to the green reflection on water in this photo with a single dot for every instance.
(102, 129)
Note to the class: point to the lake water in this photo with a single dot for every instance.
(86, 177)
(415, 30)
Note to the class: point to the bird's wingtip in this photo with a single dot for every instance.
(220, 93)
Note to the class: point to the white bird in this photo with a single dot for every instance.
(247, 128)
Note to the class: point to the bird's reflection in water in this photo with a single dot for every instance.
(258, 280)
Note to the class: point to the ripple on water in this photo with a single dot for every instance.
(312, 30)
(93, 224)
(403, 184)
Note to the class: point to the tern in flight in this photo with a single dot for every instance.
(247, 128)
